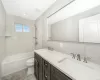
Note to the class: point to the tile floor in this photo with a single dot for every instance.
(20, 75)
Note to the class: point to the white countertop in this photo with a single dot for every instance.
(77, 70)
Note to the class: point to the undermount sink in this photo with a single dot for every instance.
(62, 60)
(74, 62)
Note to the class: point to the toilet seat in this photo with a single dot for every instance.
(30, 62)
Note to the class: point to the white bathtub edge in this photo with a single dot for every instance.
(15, 65)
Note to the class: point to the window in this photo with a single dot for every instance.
(22, 28)
(26, 28)
(18, 27)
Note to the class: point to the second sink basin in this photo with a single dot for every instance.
(62, 60)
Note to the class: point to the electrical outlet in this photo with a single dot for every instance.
(61, 45)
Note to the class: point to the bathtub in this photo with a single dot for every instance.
(15, 63)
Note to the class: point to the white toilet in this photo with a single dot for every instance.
(30, 65)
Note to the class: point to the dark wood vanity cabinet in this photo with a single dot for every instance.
(43, 70)
(38, 66)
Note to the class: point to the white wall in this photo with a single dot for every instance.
(2, 33)
(87, 49)
(19, 42)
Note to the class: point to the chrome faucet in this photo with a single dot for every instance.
(49, 48)
(85, 60)
(78, 57)
(73, 55)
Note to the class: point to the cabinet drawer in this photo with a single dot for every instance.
(46, 66)
(58, 75)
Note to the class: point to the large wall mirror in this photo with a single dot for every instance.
(61, 29)
(89, 29)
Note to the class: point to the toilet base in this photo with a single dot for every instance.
(30, 70)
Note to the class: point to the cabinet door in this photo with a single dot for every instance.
(46, 70)
(36, 66)
(40, 67)
(58, 75)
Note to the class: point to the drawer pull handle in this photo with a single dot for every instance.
(46, 77)
(46, 64)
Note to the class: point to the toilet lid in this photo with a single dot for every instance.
(30, 60)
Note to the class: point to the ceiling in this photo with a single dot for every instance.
(29, 9)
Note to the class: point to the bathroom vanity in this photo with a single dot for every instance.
(53, 65)
(46, 71)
